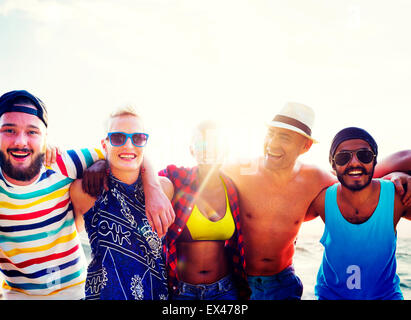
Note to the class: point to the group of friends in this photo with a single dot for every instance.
(215, 231)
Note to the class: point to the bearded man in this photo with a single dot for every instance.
(360, 215)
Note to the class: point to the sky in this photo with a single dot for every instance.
(239, 61)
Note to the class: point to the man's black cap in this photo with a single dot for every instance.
(351, 133)
(7, 104)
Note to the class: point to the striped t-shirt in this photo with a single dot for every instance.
(40, 251)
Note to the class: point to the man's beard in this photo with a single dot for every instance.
(21, 174)
(356, 187)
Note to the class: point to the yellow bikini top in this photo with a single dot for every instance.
(202, 228)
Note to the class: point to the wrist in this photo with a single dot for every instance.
(149, 181)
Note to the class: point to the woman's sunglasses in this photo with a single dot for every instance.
(363, 155)
(118, 139)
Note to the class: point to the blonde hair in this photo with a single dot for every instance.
(127, 110)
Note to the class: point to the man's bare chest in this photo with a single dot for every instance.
(267, 203)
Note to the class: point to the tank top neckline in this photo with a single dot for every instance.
(370, 218)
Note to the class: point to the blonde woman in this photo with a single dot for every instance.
(127, 260)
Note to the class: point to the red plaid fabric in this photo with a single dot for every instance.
(185, 188)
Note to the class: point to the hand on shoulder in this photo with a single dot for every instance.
(82, 201)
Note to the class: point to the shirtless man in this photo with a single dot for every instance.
(274, 200)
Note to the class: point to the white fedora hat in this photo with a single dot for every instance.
(296, 117)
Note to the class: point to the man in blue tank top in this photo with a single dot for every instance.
(360, 215)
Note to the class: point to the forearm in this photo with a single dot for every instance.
(148, 175)
(399, 161)
(159, 211)
(72, 163)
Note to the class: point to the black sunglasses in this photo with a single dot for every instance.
(363, 155)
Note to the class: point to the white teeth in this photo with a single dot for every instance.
(18, 154)
(355, 172)
(128, 156)
(273, 154)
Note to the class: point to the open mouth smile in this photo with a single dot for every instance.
(355, 172)
(127, 156)
(274, 155)
(19, 155)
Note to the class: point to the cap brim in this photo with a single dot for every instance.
(290, 127)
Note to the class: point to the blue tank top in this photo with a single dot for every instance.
(359, 259)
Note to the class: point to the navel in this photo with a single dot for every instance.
(248, 215)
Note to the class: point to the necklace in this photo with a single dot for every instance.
(358, 213)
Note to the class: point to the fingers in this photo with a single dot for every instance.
(95, 179)
(85, 184)
(161, 220)
(403, 188)
(91, 184)
(51, 155)
(167, 218)
(105, 182)
(171, 215)
(398, 186)
(150, 220)
(406, 200)
(167, 221)
(47, 162)
(55, 154)
(157, 225)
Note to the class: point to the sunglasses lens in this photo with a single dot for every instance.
(342, 158)
(365, 156)
(117, 139)
(139, 139)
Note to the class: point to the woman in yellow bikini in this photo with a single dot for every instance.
(205, 255)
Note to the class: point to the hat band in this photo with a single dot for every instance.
(293, 122)
(23, 109)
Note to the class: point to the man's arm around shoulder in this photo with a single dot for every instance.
(317, 207)
(397, 168)
(398, 161)
(319, 180)
(159, 210)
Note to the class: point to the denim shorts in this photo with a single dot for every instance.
(284, 285)
(223, 289)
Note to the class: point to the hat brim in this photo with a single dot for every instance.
(283, 125)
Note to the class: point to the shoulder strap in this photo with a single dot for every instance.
(385, 208)
(331, 206)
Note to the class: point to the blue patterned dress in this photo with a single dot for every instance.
(127, 260)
